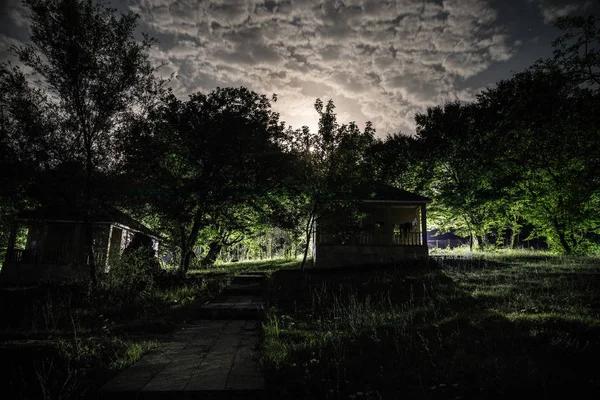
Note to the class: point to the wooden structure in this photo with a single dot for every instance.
(394, 227)
(55, 245)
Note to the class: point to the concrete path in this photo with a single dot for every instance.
(213, 358)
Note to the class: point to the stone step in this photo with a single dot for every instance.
(248, 278)
(232, 306)
(254, 288)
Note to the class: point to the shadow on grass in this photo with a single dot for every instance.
(417, 331)
(59, 341)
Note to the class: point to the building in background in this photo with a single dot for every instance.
(55, 244)
(394, 228)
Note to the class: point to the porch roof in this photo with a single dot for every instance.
(103, 214)
(380, 192)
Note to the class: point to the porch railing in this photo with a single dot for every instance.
(32, 256)
(373, 239)
(52, 257)
(407, 238)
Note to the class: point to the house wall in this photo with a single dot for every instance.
(61, 254)
(23, 274)
(380, 219)
(115, 249)
(336, 256)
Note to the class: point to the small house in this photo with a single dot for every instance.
(55, 244)
(393, 227)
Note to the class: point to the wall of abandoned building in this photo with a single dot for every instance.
(24, 274)
(56, 251)
(336, 256)
(388, 233)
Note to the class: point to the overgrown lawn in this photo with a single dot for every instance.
(488, 326)
(63, 341)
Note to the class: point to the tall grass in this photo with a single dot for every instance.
(491, 325)
(82, 338)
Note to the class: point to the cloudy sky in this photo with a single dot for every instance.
(379, 60)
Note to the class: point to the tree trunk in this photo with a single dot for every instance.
(213, 252)
(308, 232)
(481, 242)
(87, 217)
(184, 249)
(513, 237)
(561, 236)
(188, 242)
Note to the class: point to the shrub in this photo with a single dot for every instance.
(133, 276)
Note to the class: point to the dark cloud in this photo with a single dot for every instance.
(553, 9)
(380, 60)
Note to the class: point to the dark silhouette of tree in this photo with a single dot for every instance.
(577, 51)
(461, 159)
(202, 158)
(330, 164)
(95, 76)
(22, 130)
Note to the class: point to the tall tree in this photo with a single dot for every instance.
(577, 50)
(201, 157)
(23, 123)
(455, 143)
(331, 163)
(550, 140)
(97, 75)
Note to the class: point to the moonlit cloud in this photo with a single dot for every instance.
(553, 9)
(380, 60)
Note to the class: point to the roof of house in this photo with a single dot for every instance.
(376, 191)
(100, 214)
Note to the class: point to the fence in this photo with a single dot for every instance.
(49, 257)
(373, 239)
(446, 243)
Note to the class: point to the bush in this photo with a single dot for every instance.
(133, 276)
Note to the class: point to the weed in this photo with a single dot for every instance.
(475, 325)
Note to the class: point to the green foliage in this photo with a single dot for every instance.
(132, 277)
(329, 165)
(523, 154)
(207, 164)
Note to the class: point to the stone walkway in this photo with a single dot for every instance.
(213, 358)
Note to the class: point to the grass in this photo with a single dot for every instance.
(61, 341)
(235, 268)
(491, 325)
(481, 325)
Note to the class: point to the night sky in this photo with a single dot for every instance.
(379, 60)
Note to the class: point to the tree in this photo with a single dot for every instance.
(330, 164)
(550, 130)
(459, 153)
(397, 162)
(22, 121)
(196, 160)
(97, 76)
(577, 51)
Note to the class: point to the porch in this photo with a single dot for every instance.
(49, 257)
(373, 239)
(390, 231)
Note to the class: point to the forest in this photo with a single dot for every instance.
(85, 120)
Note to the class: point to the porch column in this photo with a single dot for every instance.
(424, 224)
(12, 239)
(388, 227)
(106, 263)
